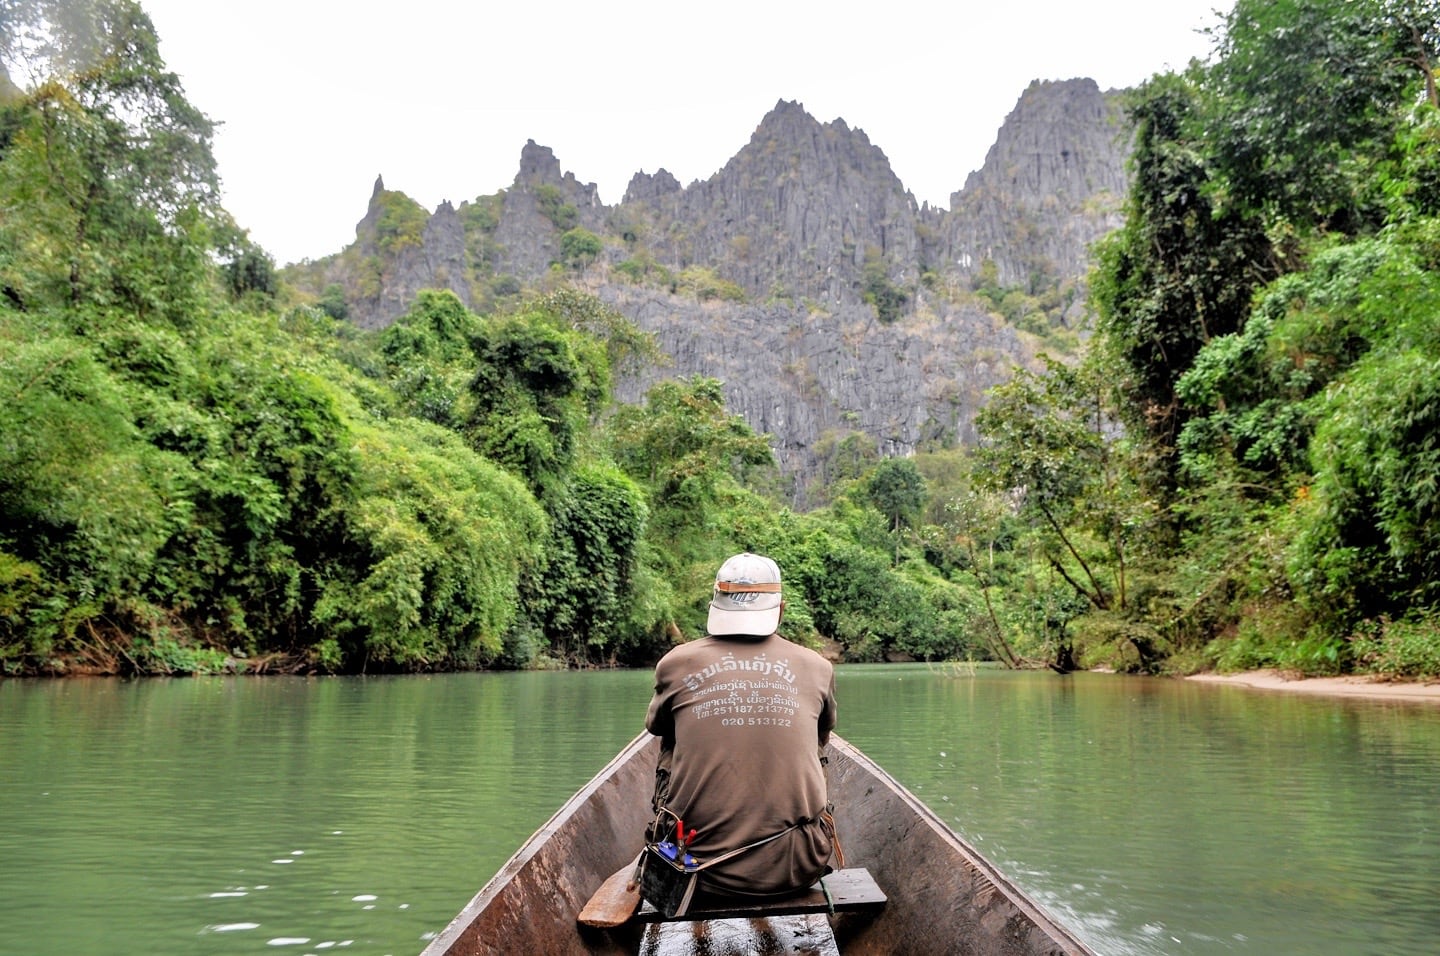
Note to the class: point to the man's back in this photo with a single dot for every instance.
(742, 721)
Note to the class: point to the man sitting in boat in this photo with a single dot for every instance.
(742, 715)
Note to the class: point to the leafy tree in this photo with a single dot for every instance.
(704, 284)
(108, 180)
(1307, 94)
(1292, 417)
(427, 356)
(897, 490)
(1180, 272)
(693, 459)
(436, 327)
(579, 247)
(83, 502)
(627, 348)
(582, 599)
(506, 286)
(642, 268)
(1411, 186)
(684, 445)
(1035, 446)
(854, 598)
(332, 302)
(439, 543)
(976, 519)
(1249, 390)
(888, 299)
(1371, 548)
(535, 388)
(250, 273)
(1374, 543)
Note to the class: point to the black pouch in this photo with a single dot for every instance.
(666, 884)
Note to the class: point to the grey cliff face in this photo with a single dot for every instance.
(809, 222)
(443, 253)
(800, 377)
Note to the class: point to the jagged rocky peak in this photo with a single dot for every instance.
(796, 213)
(543, 203)
(1064, 137)
(397, 271)
(445, 234)
(786, 114)
(799, 137)
(366, 228)
(647, 188)
(540, 167)
(1053, 182)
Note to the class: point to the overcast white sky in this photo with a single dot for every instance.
(317, 98)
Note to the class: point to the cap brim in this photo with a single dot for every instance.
(751, 622)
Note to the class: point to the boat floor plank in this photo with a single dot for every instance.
(800, 934)
(850, 889)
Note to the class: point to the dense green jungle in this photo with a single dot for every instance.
(204, 470)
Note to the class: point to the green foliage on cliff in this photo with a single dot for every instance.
(704, 284)
(888, 299)
(401, 224)
(553, 207)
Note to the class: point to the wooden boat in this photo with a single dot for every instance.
(940, 894)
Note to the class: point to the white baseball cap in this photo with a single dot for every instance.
(746, 599)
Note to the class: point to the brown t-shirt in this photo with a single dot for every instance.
(742, 721)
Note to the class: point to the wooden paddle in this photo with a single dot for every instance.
(615, 902)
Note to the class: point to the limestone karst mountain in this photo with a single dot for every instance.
(803, 274)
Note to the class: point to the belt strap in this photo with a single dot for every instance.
(739, 850)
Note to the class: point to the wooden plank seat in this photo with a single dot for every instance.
(851, 890)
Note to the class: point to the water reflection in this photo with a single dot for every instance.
(235, 815)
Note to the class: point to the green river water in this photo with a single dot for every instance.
(219, 816)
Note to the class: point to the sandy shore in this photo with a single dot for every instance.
(1335, 686)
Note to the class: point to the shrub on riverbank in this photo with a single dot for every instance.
(1408, 648)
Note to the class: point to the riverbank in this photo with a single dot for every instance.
(1351, 686)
